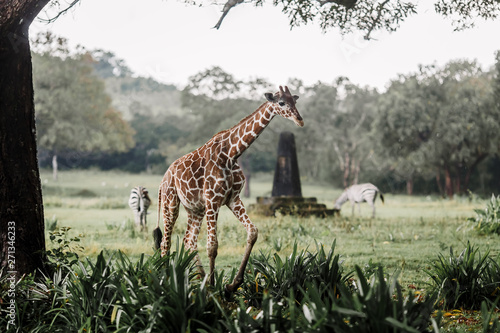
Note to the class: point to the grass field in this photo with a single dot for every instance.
(407, 233)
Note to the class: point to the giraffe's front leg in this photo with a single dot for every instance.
(239, 211)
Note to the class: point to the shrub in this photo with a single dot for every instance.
(373, 306)
(488, 220)
(163, 295)
(490, 318)
(462, 281)
(304, 292)
(113, 294)
(279, 277)
(64, 252)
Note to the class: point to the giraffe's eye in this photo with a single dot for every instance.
(281, 103)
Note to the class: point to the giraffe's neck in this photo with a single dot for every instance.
(242, 135)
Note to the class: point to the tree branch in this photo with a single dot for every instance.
(346, 3)
(61, 12)
(376, 20)
(227, 7)
(339, 155)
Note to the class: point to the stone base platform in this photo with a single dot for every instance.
(299, 206)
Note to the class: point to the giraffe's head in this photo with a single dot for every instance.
(284, 105)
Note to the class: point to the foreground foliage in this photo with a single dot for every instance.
(304, 292)
(467, 279)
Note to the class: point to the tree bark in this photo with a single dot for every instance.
(438, 181)
(347, 166)
(458, 183)
(55, 167)
(471, 169)
(357, 169)
(448, 183)
(22, 239)
(409, 186)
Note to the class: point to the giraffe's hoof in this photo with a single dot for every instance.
(228, 291)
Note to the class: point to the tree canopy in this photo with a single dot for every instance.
(368, 16)
(73, 111)
(365, 16)
(439, 121)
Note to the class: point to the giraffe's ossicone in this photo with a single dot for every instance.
(208, 178)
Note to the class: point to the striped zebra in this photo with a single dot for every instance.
(139, 202)
(359, 193)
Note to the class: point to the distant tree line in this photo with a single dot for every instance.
(432, 131)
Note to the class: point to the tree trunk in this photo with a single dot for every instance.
(347, 165)
(448, 183)
(409, 186)
(54, 167)
(471, 169)
(357, 169)
(22, 240)
(438, 181)
(458, 183)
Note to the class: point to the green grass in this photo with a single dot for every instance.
(407, 233)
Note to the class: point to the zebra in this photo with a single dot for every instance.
(139, 202)
(360, 193)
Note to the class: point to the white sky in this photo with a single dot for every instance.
(171, 41)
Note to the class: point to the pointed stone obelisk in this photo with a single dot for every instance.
(286, 196)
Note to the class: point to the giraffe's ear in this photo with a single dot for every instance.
(295, 98)
(270, 97)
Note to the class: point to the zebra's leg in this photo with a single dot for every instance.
(373, 209)
(191, 236)
(170, 212)
(137, 219)
(144, 222)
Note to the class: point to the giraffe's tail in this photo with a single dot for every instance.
(157, 232)
(157, 238)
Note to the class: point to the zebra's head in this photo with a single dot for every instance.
(283, 103)
(341, 200)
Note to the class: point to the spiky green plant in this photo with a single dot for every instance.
(278, 276)
(372, 306)
(114, 294)
(487, 220)
(489, 315)
(460, 279)
(166, 297)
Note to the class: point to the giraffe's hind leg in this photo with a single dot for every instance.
(212, 213)
(191, 237)
(239, 211)
(170, 212)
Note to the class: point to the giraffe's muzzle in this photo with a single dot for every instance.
(298, 121)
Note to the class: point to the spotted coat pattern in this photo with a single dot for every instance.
(208, 178)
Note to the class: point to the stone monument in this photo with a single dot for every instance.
(286, 196)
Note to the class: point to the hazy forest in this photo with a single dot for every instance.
(434, 130)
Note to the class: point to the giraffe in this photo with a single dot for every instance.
(208, 178)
